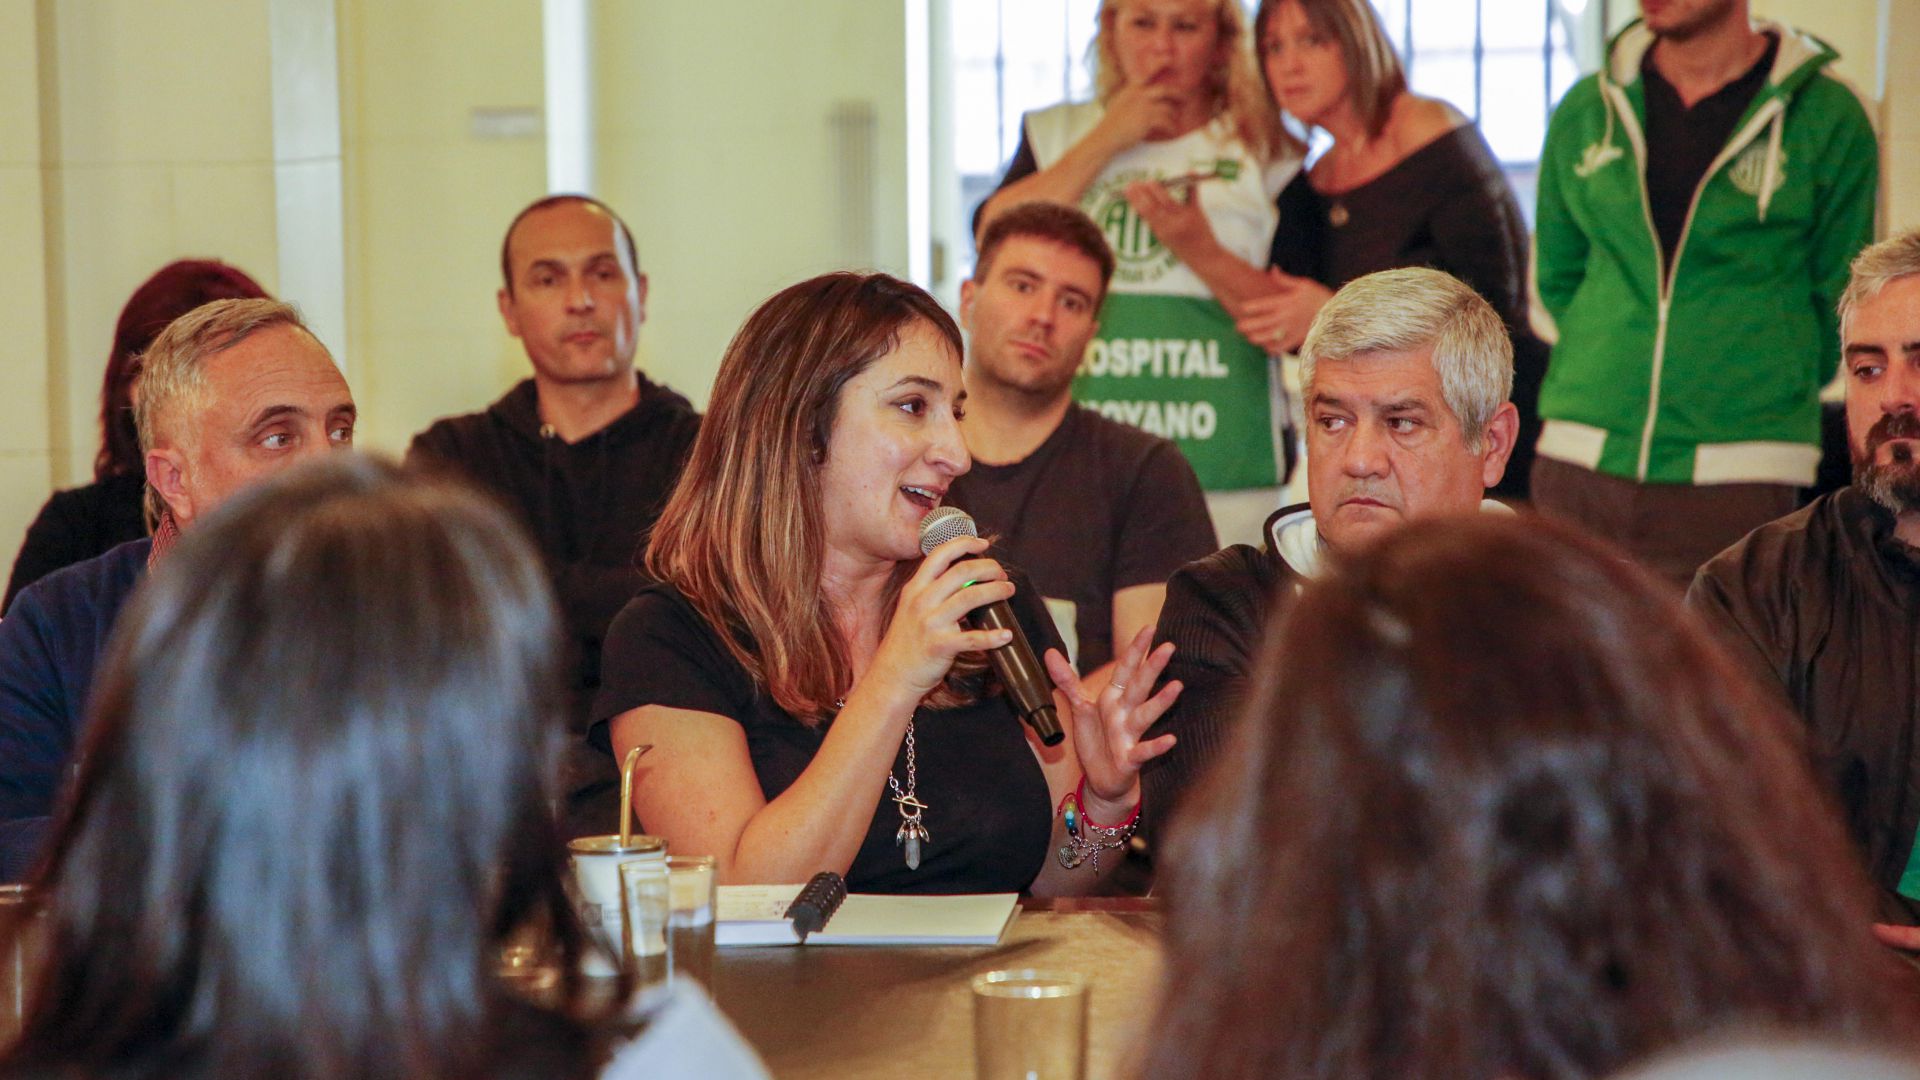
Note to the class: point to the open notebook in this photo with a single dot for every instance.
(754, 915)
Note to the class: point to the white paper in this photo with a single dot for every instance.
(753, 915)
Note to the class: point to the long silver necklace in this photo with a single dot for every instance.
(912, 832)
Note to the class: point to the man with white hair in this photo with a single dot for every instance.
(1406, 377)
(230, 392)
(1826, 601)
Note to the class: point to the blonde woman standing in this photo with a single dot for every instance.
(1180, 116)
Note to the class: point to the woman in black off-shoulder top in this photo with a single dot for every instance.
(1407, 181)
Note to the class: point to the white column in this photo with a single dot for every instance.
(309, 221)
(567, 44)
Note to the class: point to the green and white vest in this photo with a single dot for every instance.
(1167, 357)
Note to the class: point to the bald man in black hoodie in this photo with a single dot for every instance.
(587, 450)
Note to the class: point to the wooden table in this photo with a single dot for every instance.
(854, 1012)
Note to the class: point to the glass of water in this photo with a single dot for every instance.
(691, 889)
(1030, 1025)
(22, 941)
(646, 901)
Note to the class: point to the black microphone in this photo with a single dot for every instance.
(1019, 669)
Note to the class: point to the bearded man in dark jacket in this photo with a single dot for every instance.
(587, 450)
(1826, 601)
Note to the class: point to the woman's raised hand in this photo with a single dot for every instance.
(1138, 112)
(1106, 732)
(1178, 221)
(1278, 321)
(926, 632)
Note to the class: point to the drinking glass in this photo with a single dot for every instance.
(1030, 1025)
(22, 930)
(645, 892)
(691, 889)
(525, 960)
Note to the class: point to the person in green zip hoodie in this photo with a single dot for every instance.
(1700, 198)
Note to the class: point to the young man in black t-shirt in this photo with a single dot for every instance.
(1098, 513)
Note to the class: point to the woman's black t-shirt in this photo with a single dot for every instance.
(988, 810)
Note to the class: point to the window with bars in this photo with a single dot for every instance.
(1502, 62)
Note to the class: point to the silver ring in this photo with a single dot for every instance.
(1118, 685)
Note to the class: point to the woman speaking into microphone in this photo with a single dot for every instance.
(811, 695)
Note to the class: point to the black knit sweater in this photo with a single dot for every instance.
(1215, 614)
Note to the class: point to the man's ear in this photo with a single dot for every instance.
(505, 300)
(640, 285)
(167, 474)
(1496, 443)
(966, 301)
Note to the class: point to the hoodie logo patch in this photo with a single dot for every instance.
(1749, 171)
(1596, 157)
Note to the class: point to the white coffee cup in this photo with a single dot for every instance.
(597, 897)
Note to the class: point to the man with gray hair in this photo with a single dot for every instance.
(1824, 601)
(1406, 375)
(229, 392)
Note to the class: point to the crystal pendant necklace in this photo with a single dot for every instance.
(912, 832)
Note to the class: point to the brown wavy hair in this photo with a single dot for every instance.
(1375, 76)
(1235, 87)
(742, 536)
(1499, 807)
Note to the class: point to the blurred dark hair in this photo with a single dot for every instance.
(171, 292)
(1498, 807)
(1067, 226)
(314, 800)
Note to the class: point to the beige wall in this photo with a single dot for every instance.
(1900, 120)
(26, 441)
(1850, 26)
(726, 163)
(427, 200)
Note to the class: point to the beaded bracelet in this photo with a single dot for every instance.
(1087, 838)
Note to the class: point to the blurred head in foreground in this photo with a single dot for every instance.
(1509, 816)
(314, 800)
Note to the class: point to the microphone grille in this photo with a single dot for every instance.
(943, 523)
